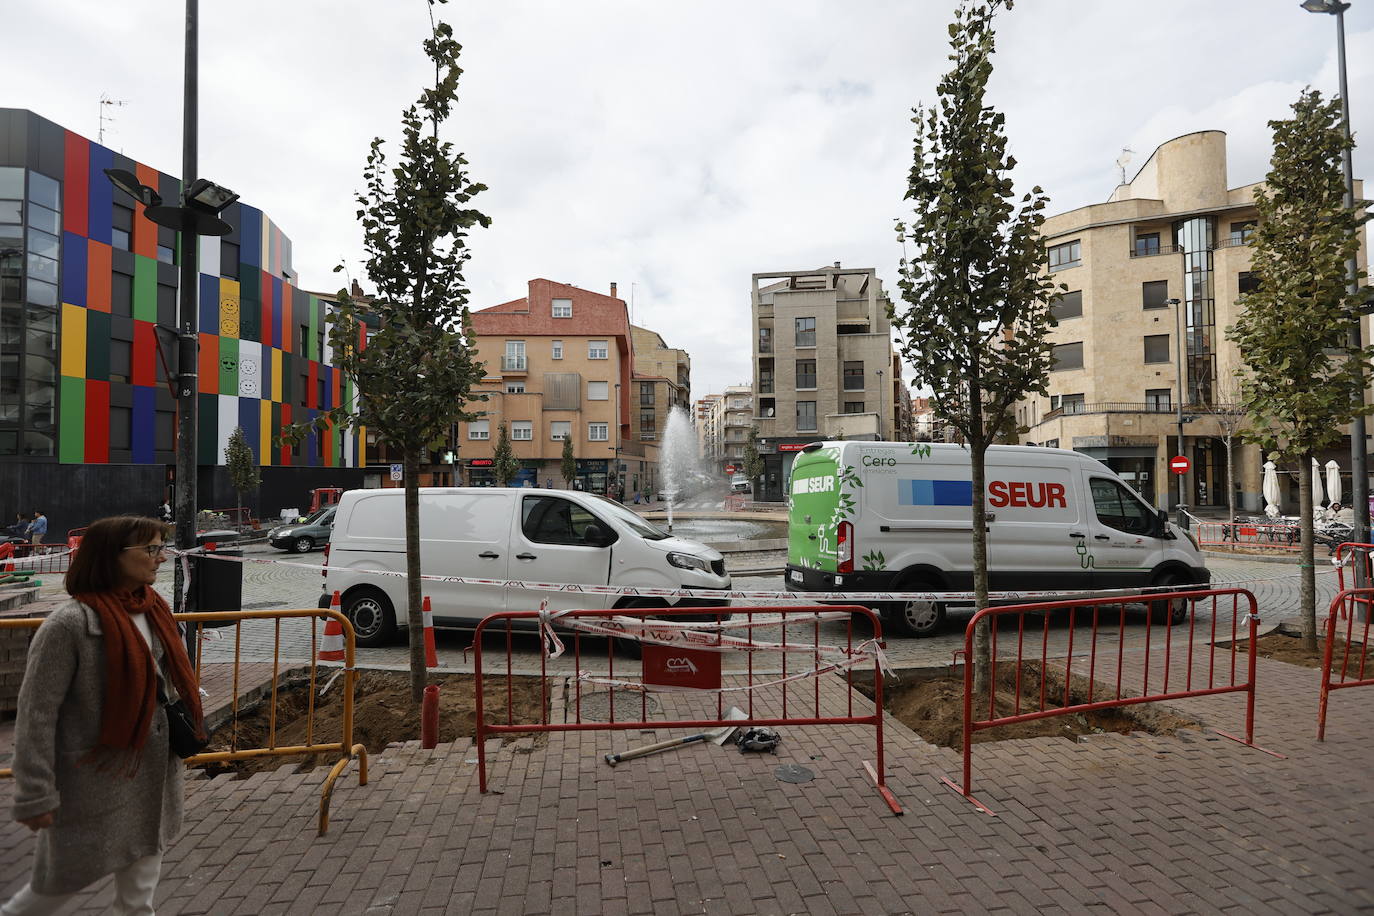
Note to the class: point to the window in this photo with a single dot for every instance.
(120, 357)
(121, 428)
(597, 349)
(1147, 243)
(765, 339)
(1247, 282)
(646, 394)
(522, 430)
(121, 294)
(122, 220)
(562, 308)
(319, 394)
(304, 388)
(557, 349)
(765, 376)
(768, 408)
(1154, 294)
(303, 340)
(1116, 508)
(1068, 356)
(1070, 306)
(598, 391)
(648, 424)
(166, 254)
(479, 429)
(1156, 348)
(1069, 403)
(853, 406)
(551, 520)
(1159, 399)
(514, 358)
(515, 387)
(1242, 231)
(229, 260)
(806, 332)
(596, 432)
(854, 375)
(806, 373)
(560, 429)
(806, 416)
(1069, 254)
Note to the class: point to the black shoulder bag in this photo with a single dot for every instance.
(181, 727)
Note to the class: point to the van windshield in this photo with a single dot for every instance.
(636, 524)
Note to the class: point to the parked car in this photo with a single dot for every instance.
(304, 536)
(739, 484)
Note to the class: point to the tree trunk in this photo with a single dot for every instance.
(982, 643)
(1230, 482)
(1307, 582)
(414, 619)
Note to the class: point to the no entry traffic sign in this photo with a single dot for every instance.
(1180, 464)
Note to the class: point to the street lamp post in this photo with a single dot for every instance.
(882, 405)
(1178, 366)
(1359, 480)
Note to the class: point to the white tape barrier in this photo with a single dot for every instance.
(20, 562)
(744, 594)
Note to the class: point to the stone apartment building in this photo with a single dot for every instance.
(736, 422)
(662, 381)
(710, 419)
(1153, 276)
(824, 364)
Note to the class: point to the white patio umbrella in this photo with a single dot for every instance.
(1316, 484)
(1333, 481)
(1270, 489)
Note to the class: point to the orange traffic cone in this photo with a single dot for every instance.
(332, 649)
(431, 656)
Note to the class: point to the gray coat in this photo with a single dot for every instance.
(104, 820)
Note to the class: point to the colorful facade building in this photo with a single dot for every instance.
(88, 316)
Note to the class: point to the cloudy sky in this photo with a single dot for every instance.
(672, 148)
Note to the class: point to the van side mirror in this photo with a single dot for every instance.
(1162, 517)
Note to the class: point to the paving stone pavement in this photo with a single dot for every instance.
(1115, 823)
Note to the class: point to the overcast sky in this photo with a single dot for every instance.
(672, 148)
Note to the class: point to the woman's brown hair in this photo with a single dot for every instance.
(95, 564)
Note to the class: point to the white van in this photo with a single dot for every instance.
(897, 516)
(506, 533)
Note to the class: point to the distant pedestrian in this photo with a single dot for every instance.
(20, 528)
(38, 527)
(94, 773)
(166, 512)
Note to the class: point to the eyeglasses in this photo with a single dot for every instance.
(152, 550)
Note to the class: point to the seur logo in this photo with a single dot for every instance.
(813, 485)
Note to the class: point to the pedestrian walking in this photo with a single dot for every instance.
(38, 527)
(20, 528)
(95, 774)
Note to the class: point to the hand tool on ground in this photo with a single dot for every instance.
(717, 736)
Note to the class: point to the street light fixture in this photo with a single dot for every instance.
(882, 405)
(1178, 359)
(1359, 479)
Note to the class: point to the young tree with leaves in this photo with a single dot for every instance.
(976, 292)
(245, 471)
(753, 461)
(504, 464)
(569, 466)
(415, 375)
(1304, 378)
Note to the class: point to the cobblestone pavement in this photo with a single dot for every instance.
(293, 582)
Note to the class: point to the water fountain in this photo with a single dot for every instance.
(679, 458)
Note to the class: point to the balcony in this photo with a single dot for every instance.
(1149, 251)
(1076, 409)
(514, 364)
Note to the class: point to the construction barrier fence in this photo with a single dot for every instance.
(1112, 659)
(1268, 535)
(1348, 619)
(227, 687)
(681, 670)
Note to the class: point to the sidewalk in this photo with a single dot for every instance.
(1133, 823)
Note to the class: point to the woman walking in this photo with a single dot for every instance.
(95, 775)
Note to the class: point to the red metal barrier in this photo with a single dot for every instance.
(1187, 652)
(1359, 559)
(1348, 605)
(1247, 534)
(767, 695)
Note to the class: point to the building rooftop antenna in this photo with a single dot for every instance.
(106, 102)
(1124, 160)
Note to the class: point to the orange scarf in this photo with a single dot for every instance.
(131, 676)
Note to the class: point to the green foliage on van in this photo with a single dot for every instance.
(874, 561)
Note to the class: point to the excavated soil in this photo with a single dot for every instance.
(382, 714)
(1285, 648)
(933, 707)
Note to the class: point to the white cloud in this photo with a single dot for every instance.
(675, 149)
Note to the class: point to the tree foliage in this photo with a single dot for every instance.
(245, 471)
(753, 461)
(976, 296)
(1304, 378)
(415, 375)
(569, 464)
(504, 464)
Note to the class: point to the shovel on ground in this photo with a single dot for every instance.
(717, 737)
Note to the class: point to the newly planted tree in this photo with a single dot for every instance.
(504, 464)
(1304, 378)
(245, 471)
(569, 463)
(977, 299)
(753, 461)
(415, 374)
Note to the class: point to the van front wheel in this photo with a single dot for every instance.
(914, 618)
(374, 621)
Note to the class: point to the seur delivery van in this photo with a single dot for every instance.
(510, 534)
(898, 516)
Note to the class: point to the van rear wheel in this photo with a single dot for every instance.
(914, 618)
(373, 619)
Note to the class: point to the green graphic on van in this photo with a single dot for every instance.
(921, 450)
(1085, 559)
(874, 561)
